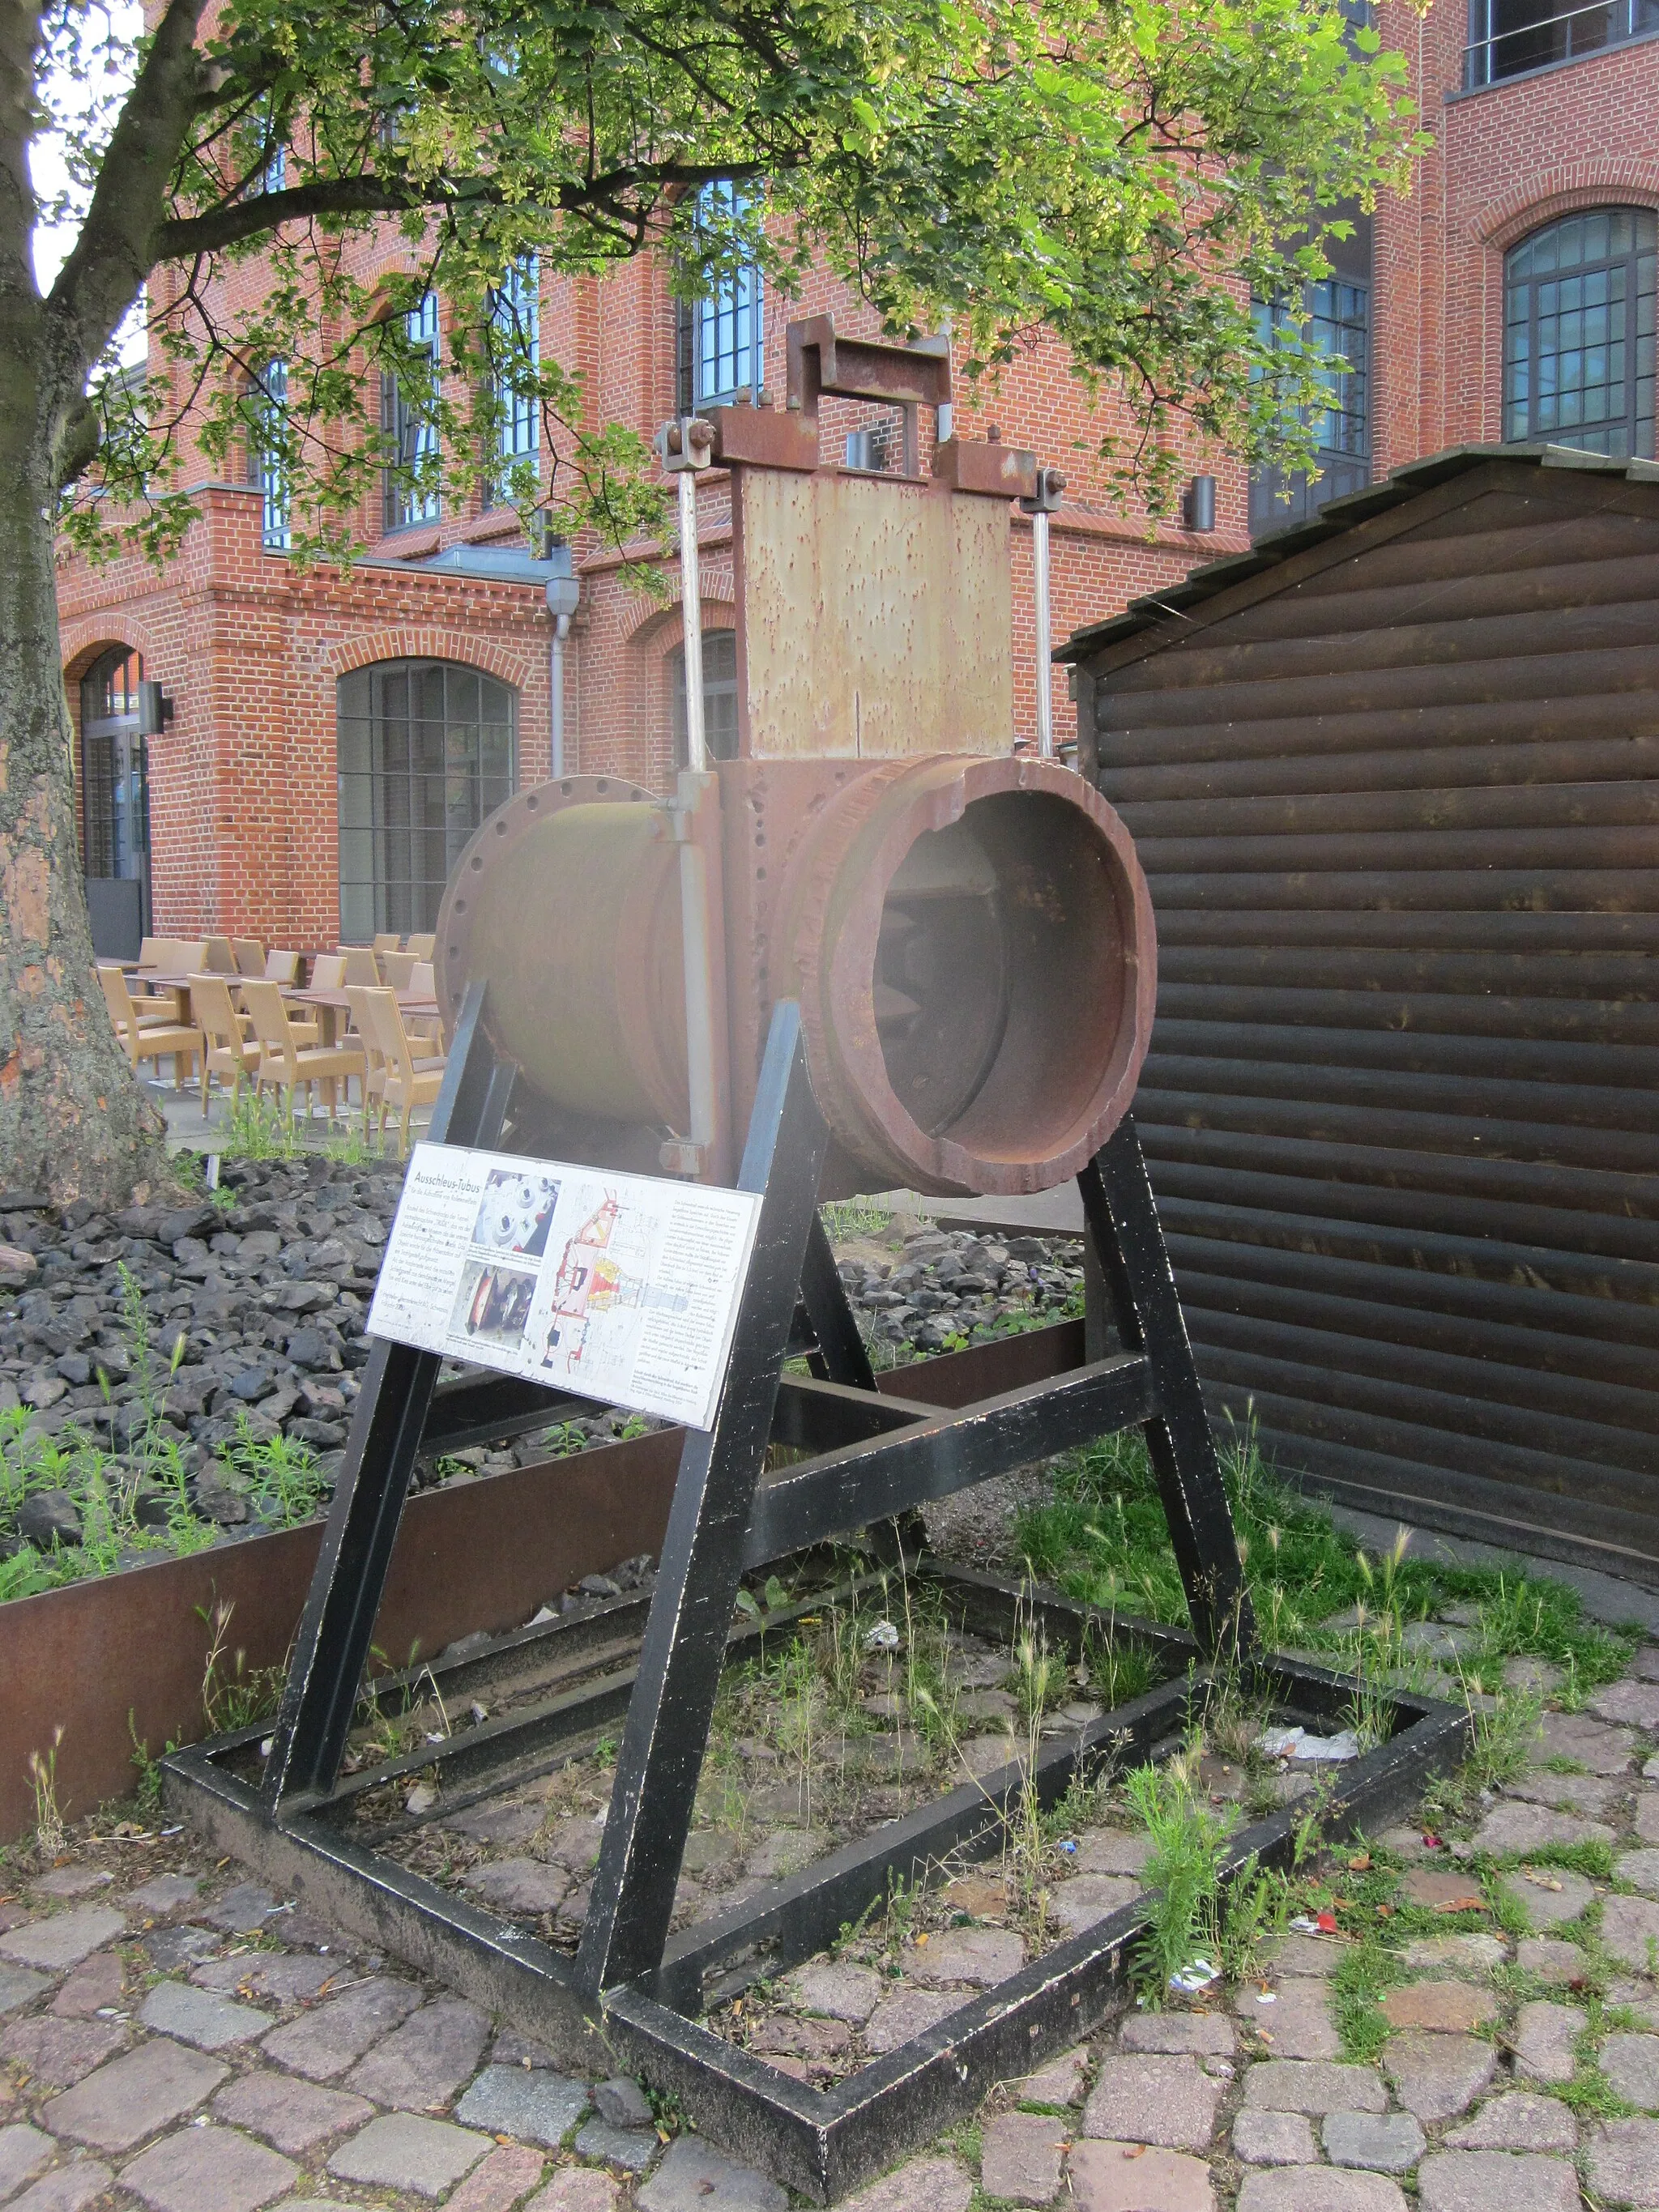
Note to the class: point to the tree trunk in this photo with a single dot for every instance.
(73, 1121)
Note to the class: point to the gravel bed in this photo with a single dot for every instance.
(259, 1293)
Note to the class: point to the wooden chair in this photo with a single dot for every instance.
(221, 956)
(151, 951)
(153, 1009)
(228, 1051)
(360, 966)
(282, 968)
(249, 955)
(387, 941)
(366, 1041)
(424, 1029)
(143, 1040)
(398, 968)
(408, 1082)
(422, 947)
(284, 1062)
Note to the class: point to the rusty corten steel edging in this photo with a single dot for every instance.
(474, 1555)
(1396, 797)
(480, 1554)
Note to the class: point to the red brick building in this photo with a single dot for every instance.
(333, 740)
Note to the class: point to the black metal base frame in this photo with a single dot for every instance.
(631, 1990)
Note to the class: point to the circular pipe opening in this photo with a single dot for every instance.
(1001, 974)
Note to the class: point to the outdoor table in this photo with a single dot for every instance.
(331, 1004)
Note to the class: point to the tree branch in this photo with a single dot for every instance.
(235, 221)
(114, 253)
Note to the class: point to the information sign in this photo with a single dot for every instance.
(618, 1287)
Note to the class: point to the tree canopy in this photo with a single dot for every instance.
(1126, 176)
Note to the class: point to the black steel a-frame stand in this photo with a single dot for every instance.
(874, 1456)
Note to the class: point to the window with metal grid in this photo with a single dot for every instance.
(411, 490)
(1338, 330)
(721, 342)
(515, 340)
(720, 696)
(1509, 38)
(1578, 333)
(268, 457)
(426, 749)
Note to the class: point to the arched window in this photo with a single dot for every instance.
(720, 696)
(426, 750)
(115, 803)
(1578, 333)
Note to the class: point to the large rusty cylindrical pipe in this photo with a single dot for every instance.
(971, 941)
(568, 900)
(970, 938)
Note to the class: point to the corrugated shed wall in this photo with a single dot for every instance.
(1398, 800)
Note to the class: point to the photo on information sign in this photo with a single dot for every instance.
(493, 1303)
(516, 1212)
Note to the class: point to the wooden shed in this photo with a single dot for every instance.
(1394, 778)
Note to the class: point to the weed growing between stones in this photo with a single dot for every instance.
(147, 1789)
(1366, 1970)
(1188, 1836)
(1590, 2093)
(1503, 1735)
(236, 1695)
(847, 1219)
(48, 1814)
(284, 1484)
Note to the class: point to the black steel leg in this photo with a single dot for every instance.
(1123, 1225)
(684, 1650)
(332, 1648)
(841, 1348)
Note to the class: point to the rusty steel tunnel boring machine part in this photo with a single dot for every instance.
(970, 940)
(967, 931)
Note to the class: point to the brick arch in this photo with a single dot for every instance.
(1567, 190)
(425, 642)
(662, 627)
(648, 646)
(82, 642)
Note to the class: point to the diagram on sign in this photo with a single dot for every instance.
(602, 1289)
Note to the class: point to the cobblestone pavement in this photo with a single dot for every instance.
(176, 2038)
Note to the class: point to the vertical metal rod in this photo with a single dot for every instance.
(1045, 699)
(699, 1003)
(555, 685)
(696, 755)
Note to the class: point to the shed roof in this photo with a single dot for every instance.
(1336, 516)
